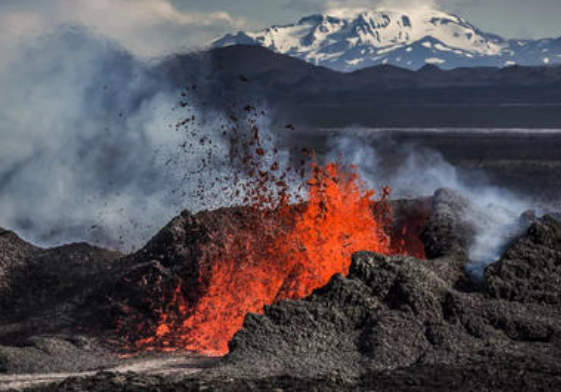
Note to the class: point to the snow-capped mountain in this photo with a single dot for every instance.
(409, 39)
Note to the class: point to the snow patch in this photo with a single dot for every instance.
(434, 60)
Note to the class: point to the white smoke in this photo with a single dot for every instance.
(71, 106)
(90, 149)
(413, 171)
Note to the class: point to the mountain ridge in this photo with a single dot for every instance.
(298, 92)
(405, 39)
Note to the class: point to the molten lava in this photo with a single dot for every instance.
(309, 245)
(280, 251)
(336, 223)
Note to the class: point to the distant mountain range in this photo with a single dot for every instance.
(298, 92)
(412, 39)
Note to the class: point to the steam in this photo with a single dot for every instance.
(413, 171)
(91, 150)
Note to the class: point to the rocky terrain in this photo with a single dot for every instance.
(394, 323)
(43, 300)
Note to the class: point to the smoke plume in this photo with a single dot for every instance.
(412, 171)
(100, 146)
(89, 151)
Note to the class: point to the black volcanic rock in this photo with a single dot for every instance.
(392, 324)
(393, 313)
(44, 354)
(44, 297)
(49, 288)
(378, 317)
(13, 251)
(183, 254)
(496, 376)
(181, 258)
(530, 270)
(450, 228)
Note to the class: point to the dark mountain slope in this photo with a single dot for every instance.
(381, 96)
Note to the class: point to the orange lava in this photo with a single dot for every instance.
(304, 249)
(275, 251)
(338, 221)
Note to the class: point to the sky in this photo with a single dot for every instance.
(152, 28)
(511, 18)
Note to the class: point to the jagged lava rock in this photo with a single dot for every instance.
(373, 319)
(392, 324)
(451, 226)
(44, 354)
(530, 270)
(183, 256)
(13, 251)
(390, 313)
(49, 287)
(44, 301)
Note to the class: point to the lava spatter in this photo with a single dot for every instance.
(288, 249)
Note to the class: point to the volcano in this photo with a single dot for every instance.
(233, 262)
(329, 282)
